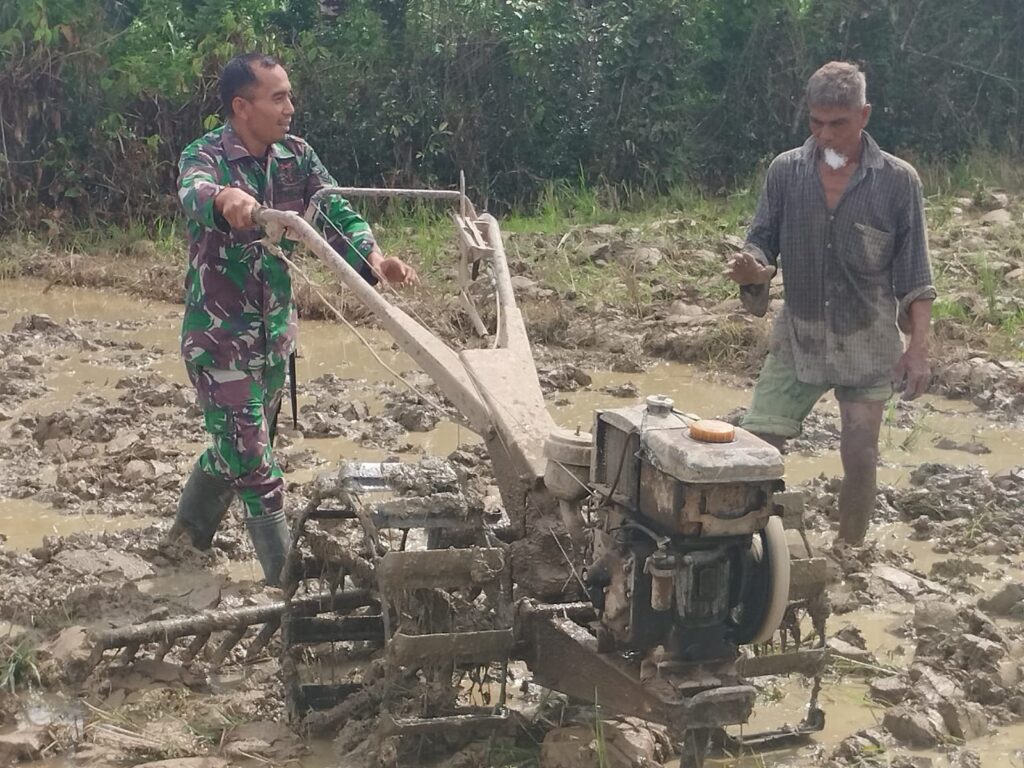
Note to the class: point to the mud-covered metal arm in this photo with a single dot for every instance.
(506, 376)
(438, 360)
(511, 328)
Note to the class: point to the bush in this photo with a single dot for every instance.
(97, 97)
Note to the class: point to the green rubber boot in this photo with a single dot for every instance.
(271, 540)
(204, 502)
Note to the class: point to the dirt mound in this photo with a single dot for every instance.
(964, 509)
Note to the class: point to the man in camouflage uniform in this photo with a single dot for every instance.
(239, 326)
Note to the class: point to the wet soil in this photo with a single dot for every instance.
(98, 428)
(624, 297)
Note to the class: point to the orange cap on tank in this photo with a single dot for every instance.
(712, 431)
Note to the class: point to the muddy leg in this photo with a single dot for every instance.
(858, 447)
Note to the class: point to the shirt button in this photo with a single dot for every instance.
(827, 302)
(829, 245)
(831, 217)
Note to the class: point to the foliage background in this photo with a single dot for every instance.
(98, 97)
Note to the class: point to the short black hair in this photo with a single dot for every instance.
(237, 75)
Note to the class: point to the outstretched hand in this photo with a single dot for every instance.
(744, 269)
(394, 271)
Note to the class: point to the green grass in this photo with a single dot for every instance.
(419, 226)
(504, 755)
(1013, 328)
(971, 175)
(683, 223)
(10, 267)
(162, 239)
(978, 306)
(549, 241)
(18, 665)
(600, 744)
(563, 201)
(909, 441)
(988, 283)
(549, 237)
(210, 726)
(950, 309)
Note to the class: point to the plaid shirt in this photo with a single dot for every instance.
(850, 274)
(239, 312)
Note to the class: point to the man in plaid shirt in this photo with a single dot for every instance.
(845, 221)
(239, 326)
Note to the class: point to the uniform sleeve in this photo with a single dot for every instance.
(198, 185)
(911, 270)
(346, 231)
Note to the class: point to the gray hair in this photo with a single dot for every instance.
(837, 84)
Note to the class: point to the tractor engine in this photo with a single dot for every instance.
(686, 552)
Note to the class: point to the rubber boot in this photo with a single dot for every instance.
(271, 540)
(204, 502)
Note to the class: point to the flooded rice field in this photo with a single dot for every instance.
(98, 428)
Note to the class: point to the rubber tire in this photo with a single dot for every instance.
(762, 593)
(776, 551)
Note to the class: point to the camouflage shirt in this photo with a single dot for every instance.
(239, 312)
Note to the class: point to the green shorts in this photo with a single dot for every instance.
(781, 402)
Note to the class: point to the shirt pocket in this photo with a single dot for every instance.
(289, 186)
(872, 249)
(289, 197)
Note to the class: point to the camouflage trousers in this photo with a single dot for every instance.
(239, 409)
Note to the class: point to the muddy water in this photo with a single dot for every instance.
(24, 522)
(329, 348)
(847, 711)
(902, 449)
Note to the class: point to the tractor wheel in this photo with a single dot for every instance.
(767, 591)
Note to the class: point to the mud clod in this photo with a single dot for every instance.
(626, 743)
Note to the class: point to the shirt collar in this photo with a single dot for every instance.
(234, 149)
(281, 151)
(870, 155)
